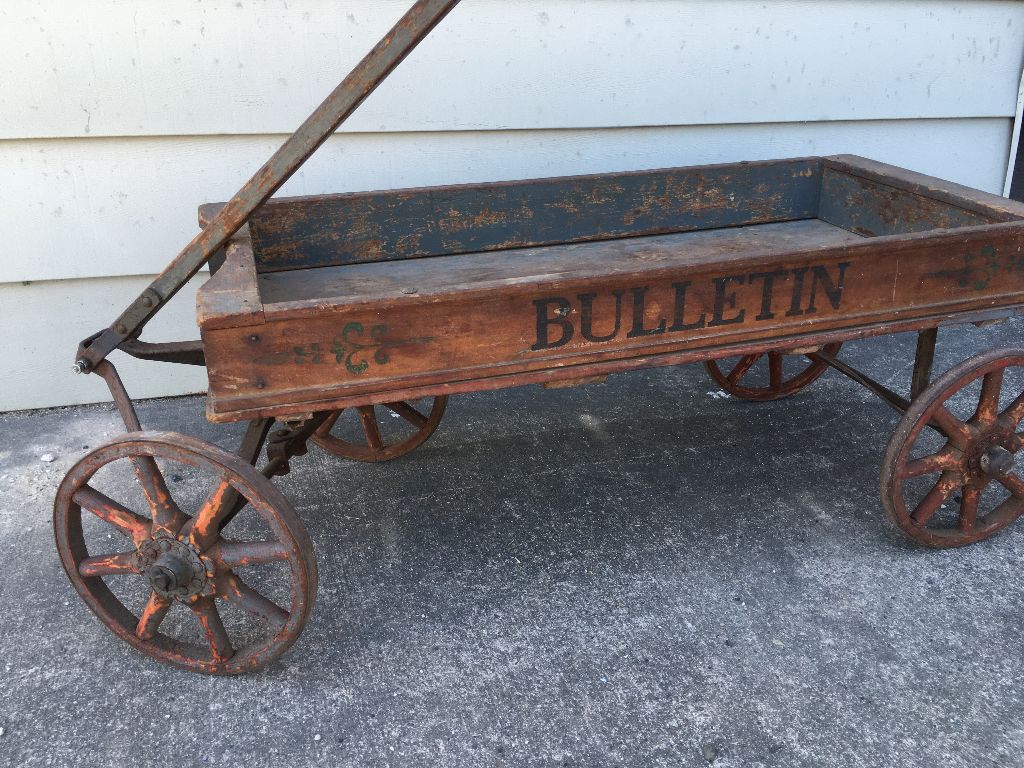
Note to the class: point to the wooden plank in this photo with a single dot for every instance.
(301, 293)
(419, 342)
(230, 298)
(380, 226)
(178, 67)
(989, 207)
(575, 372)
(873, 208)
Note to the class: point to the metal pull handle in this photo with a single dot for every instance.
(403, 38)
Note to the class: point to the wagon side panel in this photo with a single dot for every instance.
(311, 352)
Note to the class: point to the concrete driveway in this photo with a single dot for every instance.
(640, 573)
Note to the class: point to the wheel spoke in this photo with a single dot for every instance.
(947, 458)
(938, 495)
(328, 423)
(238, 554)
(1013, 484)
(205, 528)
(1015, 411)
(775, 370)
(368, 416)
(127, 522)
(951, 426)
(108, 565)
(167, 517)
(154, 612)
(988, 403)
(240, 594)
(409, 413)
(742, 367)
(969, 507)
(206, 611)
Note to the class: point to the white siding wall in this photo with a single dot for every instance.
(118, 117)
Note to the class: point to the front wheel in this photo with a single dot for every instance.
(166, 572)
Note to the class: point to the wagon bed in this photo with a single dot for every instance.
(333, 301)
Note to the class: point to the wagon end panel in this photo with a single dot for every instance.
(874, 199)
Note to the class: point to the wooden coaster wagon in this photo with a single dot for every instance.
(362, 304)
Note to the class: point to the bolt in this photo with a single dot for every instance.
(162, 579)
(996, 461)
(81, 366)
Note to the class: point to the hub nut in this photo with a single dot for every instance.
(170, 573)
(996, 461)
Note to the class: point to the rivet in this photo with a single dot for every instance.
(121, 329)
(261, 384)
(254, 338)
(147, 301)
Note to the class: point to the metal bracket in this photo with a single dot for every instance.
(291, 441)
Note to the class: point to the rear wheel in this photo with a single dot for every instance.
(765, 376)
(380, 432)
(956, 483)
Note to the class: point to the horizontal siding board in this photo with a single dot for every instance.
(101, 207)
(43, 323)
(186, 67)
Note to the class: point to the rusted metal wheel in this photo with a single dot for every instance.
(362, 438)
(157, 569)
(956, 484)
(770, 380)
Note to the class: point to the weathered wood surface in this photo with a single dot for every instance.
(231, 297)
(922, 186)
(871, 208)
(319, 351)
(361, 332)
(382, 226)
(302, 292)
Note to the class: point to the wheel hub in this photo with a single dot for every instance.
(990, 458)
(996, 461)
(173, 568)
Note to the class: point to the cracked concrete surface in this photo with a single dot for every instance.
(640, 573)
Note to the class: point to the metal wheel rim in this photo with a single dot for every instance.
(367, 453)
(785, 387)
(928, 407)
(261, 494)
